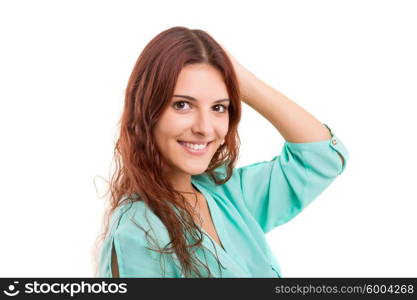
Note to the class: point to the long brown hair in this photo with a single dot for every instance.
(138, 160)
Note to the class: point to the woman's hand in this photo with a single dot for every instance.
(236, 65)
(293, 122)
(244, 76)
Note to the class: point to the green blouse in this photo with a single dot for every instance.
(256, 199)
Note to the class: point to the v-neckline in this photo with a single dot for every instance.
(216, 222)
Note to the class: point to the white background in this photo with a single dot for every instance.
(352, 64)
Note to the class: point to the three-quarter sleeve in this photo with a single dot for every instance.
(276, 191)
(131, 245)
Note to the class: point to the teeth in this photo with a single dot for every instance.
(194, 146)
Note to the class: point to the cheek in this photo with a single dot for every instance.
(169, 127)
(223, 127)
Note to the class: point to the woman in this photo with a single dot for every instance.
(178, 206)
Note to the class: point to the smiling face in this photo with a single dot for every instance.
(193, 127)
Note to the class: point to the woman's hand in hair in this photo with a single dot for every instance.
(293, 122)
(244, 76)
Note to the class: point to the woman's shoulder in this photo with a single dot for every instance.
(137, 230)
(133, 216)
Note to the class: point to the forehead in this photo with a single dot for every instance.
(201, 81)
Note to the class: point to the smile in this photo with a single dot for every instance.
(196, 149)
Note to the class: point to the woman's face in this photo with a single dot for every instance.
(190, 131)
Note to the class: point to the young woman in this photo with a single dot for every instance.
(178, 206)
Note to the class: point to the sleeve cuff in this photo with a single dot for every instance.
(334, 142)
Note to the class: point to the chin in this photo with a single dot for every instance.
(195, 169)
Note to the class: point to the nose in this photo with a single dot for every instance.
(203, 124)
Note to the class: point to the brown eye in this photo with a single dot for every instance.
(223, 108)
(179, 105)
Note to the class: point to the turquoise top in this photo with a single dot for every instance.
(256, 199)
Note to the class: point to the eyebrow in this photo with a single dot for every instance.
(194, 99)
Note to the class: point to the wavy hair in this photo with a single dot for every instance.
(139, 163)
